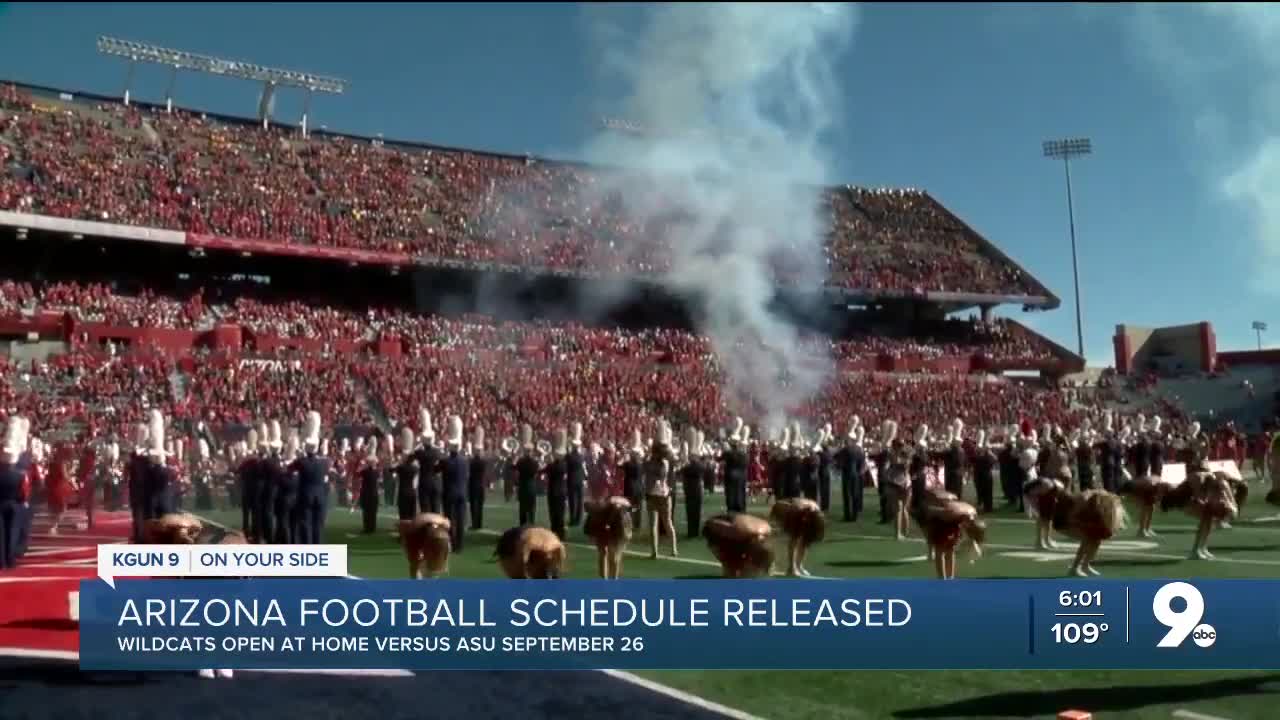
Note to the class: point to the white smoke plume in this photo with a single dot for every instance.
(735, 103)
(1203, 51)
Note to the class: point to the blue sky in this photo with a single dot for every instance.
(1178, 210)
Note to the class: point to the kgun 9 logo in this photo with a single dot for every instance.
(1182, 623)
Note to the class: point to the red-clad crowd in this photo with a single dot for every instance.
(185, 171)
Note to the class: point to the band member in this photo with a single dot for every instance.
(200, 476)
(946, 520)
(86, 477)
(427, 541)
(984, 468)
(1110, 455)
(879, 459)
(691, 482)
(1273, 468)
(14, 491)
(527, 469)
(160, 479)
(918, 465)
(736, 464)
(953, 459)
(632, 478)
(1011, 473)
(506, 467)
(454, 471)
(804, 523)
(851, 462)
(530, 553)
(741, 543)
(428, 456)
(407, 474)
(1139, 451)
(657, 481)
(312, 471)
(825, 468)
(576, 463)
(1149, 487)
(556, 471)
(477, 479)
(775, 453)
(112, 477)
(1082, 446)
(269, 481)
(247, 475)
(1043, 491)
(286, 505)
(368, 475)
(608, 523)
(389, 461)
(806, 463)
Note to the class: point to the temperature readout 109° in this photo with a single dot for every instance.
(1072, 628)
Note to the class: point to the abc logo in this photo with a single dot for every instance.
(1204, 635)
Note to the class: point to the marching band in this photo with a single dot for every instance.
(1069, 482)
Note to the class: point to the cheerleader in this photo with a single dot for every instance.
(427, 544)
(530, 553)
(179, 528)
(608, 523)
(741, 543)
(657, 478)
(896, 485)
(59, 483)
(1208, 497)
(599, 474)
(804, 523)
(946, 520)
(1092, 518)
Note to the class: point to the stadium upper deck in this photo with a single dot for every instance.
(92, 158)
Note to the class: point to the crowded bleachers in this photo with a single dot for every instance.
(497, 374)
(135, 165)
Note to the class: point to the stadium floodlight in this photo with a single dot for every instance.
(1259, 327)
(176, 60)
(1065, 150)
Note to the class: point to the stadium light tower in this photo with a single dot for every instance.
(1065, 150)
(1259, 327)
(176, 60)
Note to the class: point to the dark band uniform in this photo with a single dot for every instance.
(311, 471)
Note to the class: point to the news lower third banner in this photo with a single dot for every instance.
(338, 623)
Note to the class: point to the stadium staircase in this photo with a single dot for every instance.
(1226, 397)
(370, 399)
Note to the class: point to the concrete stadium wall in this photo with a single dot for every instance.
(1177, 348)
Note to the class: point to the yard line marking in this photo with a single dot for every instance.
(1189, 715)
(682, 696)
(342, 673)
(1070, 547)
(40, 654)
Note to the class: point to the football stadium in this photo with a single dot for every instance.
(677, 359)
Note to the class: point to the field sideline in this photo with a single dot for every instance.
(1251, 549)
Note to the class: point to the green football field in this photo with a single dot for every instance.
(1251, 549)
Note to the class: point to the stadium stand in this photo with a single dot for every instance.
(140, 166)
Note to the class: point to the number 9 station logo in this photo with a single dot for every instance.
(1184, 623)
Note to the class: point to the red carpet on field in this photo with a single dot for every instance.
(39, 615)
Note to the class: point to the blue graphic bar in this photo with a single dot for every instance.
(687, 624)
